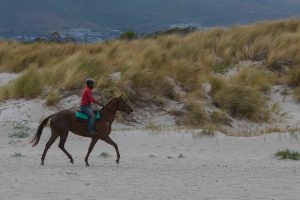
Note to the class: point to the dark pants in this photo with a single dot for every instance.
(89, 111)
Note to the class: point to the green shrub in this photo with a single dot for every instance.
(287, 155)
(128, 35)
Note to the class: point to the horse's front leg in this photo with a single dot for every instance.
(93, 142)
(108, 140)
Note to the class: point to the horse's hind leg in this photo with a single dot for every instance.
(111, 142)
(48, 145)
(61, 145)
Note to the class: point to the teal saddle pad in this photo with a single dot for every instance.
(82, 116)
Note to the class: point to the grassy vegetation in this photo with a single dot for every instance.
(105, 155)
(297, 94)
(53, 98)
(242, 95)
(128, 35)
(154, 128)
(195, 114)
(294, 77)
(28, 85)
(147, 66)
(20, 131)
(287, 155)
(17, 155)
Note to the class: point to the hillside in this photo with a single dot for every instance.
(34, 17)
(213, 78)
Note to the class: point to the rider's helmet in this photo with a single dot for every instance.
(89, 81)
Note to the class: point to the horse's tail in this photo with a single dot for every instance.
(35, 140)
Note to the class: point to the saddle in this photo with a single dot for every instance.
(81, 116)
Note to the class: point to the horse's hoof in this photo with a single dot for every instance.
(42, 163)
(86, 163)
(117, 161)
(72, 161)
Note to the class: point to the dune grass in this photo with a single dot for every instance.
(147, 66)
(28, 85)
(297, 94)
(195, 115)
(242, 95)
(294, 77)
(53, 98)
(287, 155)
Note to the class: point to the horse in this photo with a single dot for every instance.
(65, 121)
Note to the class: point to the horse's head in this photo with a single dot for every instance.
(123, 106)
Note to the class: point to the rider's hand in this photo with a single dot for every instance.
(100, 104)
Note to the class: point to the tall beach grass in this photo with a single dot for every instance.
(146, 66)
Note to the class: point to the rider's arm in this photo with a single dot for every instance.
(97, 102)
(93, 100)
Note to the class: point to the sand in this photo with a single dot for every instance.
(154, 165)
(219, 167)
(6, 77)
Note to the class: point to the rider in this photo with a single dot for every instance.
(85, 106)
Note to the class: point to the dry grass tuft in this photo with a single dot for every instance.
(52, 98)
(195, 115)
(241, 95)
(28, 85)
(297, 94)
(241, 102)
(294, 77)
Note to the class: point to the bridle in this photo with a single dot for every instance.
(106, 107)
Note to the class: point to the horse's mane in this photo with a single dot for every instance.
(110, 102)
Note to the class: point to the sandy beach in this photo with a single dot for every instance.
(167, 165)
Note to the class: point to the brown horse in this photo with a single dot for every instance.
(64, 121)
